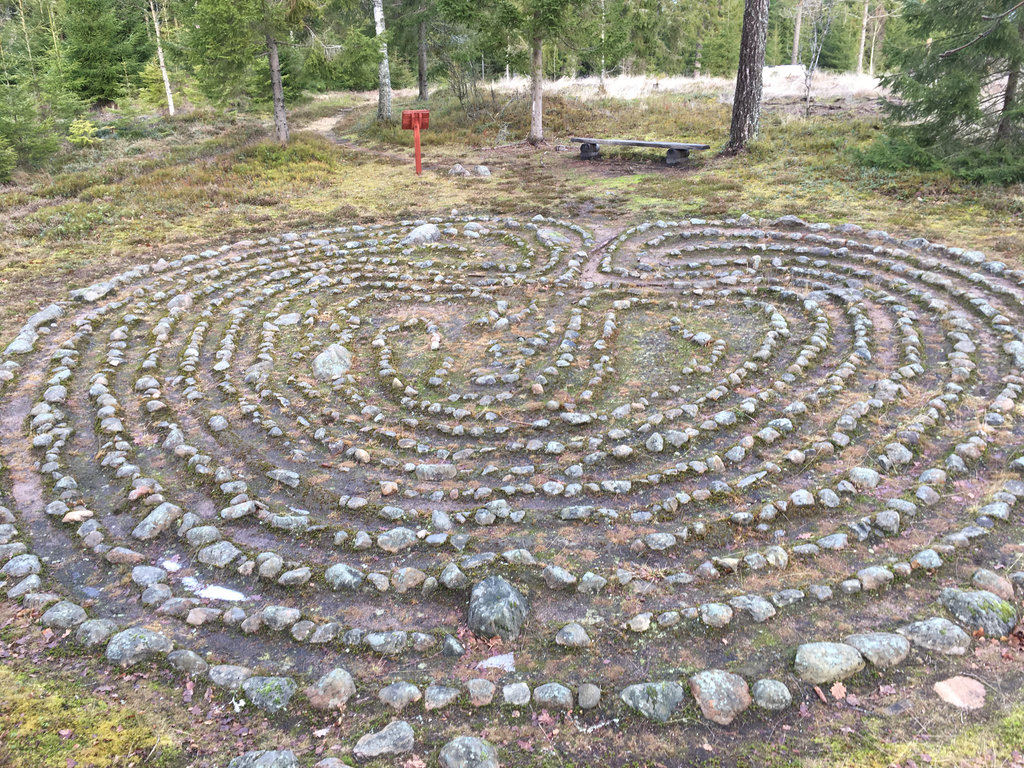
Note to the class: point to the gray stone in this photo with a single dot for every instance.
(333, 362)
(721, 695)
(439, 696)
(818, 663)
(189, 662)
(262, 758)
(137, 644)
(63, 615)
(552, 695)
(938, 635)
(772, 695)
(496, 608)
(755, 605)
(882, 649)
(93, 632)
(573, 636)
(588, 696)
(342, 576)
(395, 738)
(332, 691)
(468, 752)
(399, 695)
(229, 676)
(655, 701)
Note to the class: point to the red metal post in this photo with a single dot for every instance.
(416, 142)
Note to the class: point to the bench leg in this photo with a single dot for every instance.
(675, 156)
(588, 151)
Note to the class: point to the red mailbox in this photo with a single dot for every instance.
(414, 120)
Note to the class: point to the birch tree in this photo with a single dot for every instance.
(383, 68)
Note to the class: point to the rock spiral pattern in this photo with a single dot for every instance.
(310, 448)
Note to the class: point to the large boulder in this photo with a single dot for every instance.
(425, 233)
(333, 362)
(496, 608)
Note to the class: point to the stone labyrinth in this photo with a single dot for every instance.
(322, 469)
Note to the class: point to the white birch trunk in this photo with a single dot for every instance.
(863, 38)
(383, 70)
(160, 59)
(537, 87)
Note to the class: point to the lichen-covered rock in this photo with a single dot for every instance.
(333, 362)
(980, 609)
(772, 695)
(468, 752)
(938, 635)
(655, 701)
(271, 694)
(137, 644)
(497, 609)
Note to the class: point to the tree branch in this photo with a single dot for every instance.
(997, 18)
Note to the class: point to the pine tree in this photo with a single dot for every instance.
(960, 100)
(746, 106)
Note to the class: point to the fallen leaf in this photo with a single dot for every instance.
(838, 691)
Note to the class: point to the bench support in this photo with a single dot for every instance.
(589, 151)
(675, 156)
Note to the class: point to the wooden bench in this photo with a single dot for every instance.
(676, 151)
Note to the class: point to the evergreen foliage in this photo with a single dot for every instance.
(959, 97)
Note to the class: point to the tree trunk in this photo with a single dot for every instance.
(863, 38)
(697, 64)
(1009, 102)
(424, 95)
(383, 70)
(1010, 94)
(160, 60)
(796, 32)
(280, 117)
(603, 22)
(746, 105)
(537, 90)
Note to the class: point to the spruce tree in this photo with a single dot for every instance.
(960, 100)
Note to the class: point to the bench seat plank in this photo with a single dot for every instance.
(638, 143)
